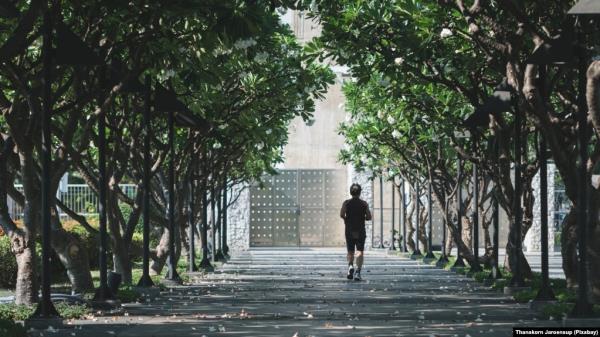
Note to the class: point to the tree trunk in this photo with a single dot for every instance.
(410, 229)
(22, 241)
(24, 250)
(74, 258)
(120, 249)
(568, 247)
(513, 256)
(467, 232)
(423, 230)
(122, 261)
(593, 250)
(177, 238)
(489, 248)
(162, 251)
(593, 102)
(449, 242)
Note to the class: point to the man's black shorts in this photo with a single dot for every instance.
(355, 239)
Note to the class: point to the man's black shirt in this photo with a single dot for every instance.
(355, 212)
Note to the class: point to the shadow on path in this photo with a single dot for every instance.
(305, 293)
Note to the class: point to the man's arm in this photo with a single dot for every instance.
(343, 211)
(368, 215)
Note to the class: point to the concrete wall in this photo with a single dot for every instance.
(317, 146)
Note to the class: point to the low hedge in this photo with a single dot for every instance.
(14, 312)
(88, 242)
(8, 262)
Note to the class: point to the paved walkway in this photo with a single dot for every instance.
(305, 293)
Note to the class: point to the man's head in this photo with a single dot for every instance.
(355, 190)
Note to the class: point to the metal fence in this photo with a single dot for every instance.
(80, 198)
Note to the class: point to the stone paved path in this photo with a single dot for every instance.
(305, 293)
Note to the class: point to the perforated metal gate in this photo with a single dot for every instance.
(298, 208)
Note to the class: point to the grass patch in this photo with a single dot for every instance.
(14, 312)
(72, 311)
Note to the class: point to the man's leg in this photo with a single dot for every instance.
(350, 258)
(359, 259)
(360, 247)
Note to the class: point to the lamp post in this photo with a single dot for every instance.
(166, 101)
(103, 293)
(429, 256)
(224, 246)
(558, 52)
(145, 280)
(459, 263)
(517, 282)
(476, 267)
(219, 255)
(583, 307)
(404, 248)
(213, 219)
(417, 253)
(205, 262)
(498, 102)
(45, 308)
(381, 212)
(172, 276)
(495, 273)
(68, 44)
(393, 244)
(191, 223)
(545, 293)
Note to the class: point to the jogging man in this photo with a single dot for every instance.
(355, 212)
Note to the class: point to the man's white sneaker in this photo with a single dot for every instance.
(350, 272)
(357, 276)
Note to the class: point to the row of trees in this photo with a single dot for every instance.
(233, 63)
(420, 69)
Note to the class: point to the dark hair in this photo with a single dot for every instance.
(355, 190)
